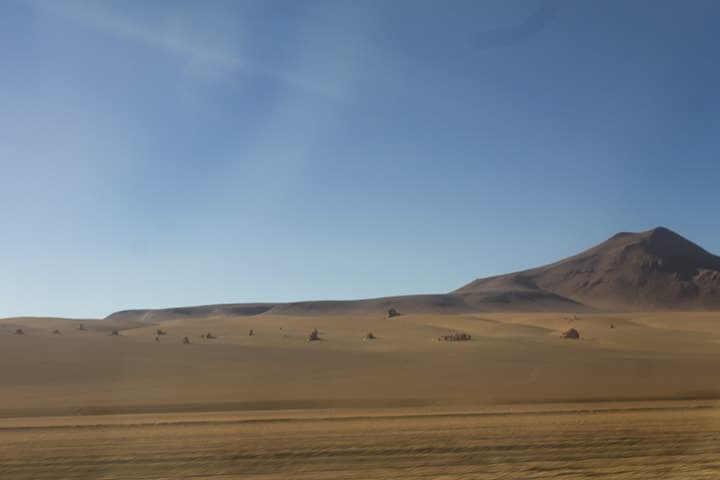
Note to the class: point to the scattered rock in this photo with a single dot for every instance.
(571, 334)
(455, 337)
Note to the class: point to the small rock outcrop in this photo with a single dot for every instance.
(571, 334)
(455, 337)
(314, 335)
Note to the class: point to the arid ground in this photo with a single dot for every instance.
(638, 441)
(635, 397)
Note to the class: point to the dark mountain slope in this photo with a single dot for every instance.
(653, 270)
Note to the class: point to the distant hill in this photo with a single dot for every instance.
(653, 270)
(158, 315)
(511, 301)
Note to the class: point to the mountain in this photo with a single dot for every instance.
(653, 270)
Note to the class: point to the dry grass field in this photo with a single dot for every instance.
(626, 441)
(517, 401)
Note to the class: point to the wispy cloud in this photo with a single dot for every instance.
(176, 44)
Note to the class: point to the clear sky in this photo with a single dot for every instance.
(173, 153)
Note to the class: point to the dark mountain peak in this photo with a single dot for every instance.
(663, 231)
(660, 230)
(655, 233)
(666, 237)
(621, 235)
(662, 243)
(677, 252)
(654, 269)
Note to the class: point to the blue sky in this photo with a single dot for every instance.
(175, 153)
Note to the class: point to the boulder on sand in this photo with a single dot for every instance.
(571, 334)
(314, 335)
(455, 337)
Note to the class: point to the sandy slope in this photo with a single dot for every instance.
(512, 358)
(509, 300)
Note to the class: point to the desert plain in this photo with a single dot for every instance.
(635, 397)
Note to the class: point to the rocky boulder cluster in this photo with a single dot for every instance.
(455, 337)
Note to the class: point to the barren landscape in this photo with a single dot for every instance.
(517, 401)
(239, 391)
(638, 441)
(340, 239)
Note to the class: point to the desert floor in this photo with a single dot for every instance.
(635, 441)
(518, 401)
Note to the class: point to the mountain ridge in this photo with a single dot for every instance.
(655, 270)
